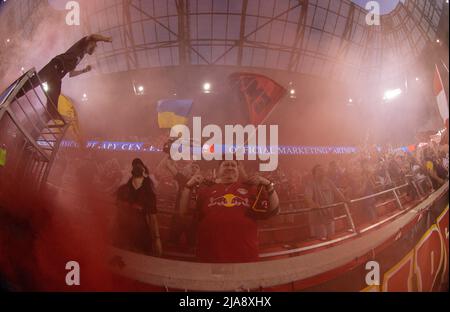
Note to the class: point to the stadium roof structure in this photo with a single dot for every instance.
(315, 37)
(338, 66)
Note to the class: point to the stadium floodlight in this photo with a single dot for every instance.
(392, 94)
(207, 87)
(292, 93)
(138, 89)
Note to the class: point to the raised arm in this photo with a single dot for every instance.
(260, 181)
(274, 201)
(75, 73)
(186, 193)
(98, 37)
(168, 164)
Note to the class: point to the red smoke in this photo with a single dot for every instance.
(38, 237)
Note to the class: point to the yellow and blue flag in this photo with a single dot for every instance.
(2, 157)
(173, 112)
(67, 109)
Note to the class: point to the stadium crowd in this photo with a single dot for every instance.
(200, 198)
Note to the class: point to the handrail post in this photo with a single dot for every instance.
(416, 188)
(397, 199)
(349, 216)
(430, 184)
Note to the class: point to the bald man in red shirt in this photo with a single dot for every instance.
(228, 210)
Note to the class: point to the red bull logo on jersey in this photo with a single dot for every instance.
(228, 201)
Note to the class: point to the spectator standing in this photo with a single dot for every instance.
(185, 223)
(319, 193)
(228, 209)
(136, 226)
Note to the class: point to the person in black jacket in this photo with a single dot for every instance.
(60, 66)
(136, 227)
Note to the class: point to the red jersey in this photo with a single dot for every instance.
(227, 230)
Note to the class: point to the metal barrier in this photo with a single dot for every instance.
(393, 190)
(419, 184)
(29, 134)
(353, 228)
(351, 232)
(355, 231)
(288, 274)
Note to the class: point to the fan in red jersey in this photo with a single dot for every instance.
(228, 209)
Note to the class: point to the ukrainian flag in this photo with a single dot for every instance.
(67, 109)
(173, 112)
(2, 157)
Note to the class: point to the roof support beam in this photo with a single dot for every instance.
(152, 18)
(183, 32)
(300, 34)
(242, 32)
(347, 34)
(273, 18)
(128, 40)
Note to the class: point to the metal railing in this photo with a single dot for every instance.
(419, 184)
(353, 229)
(181, 274)
(28, 132)
(350, 232)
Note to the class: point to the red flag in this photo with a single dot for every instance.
(260, 93)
